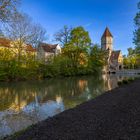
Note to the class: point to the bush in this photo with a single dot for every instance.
(120, 83)
(70, 63)
(125, 81)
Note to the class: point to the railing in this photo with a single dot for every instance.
(128, 71)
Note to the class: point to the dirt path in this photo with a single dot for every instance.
(111, 116)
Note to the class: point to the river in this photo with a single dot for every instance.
(25, 103)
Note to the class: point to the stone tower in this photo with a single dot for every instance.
(107, 41)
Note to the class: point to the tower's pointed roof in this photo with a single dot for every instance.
(107, 33)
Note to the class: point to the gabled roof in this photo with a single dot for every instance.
(30, 48)
(115, 55)
(5, 42)
(107, 33)
(48, 47)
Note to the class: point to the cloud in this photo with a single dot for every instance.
(88, 24)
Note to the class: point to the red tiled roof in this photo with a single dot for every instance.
(107, 33)
(5, 42)
(30, 48)
(48, 47)
(115, 55)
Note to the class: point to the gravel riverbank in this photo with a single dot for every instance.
(114, 115)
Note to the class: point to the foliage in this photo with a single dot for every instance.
(98, 56)
(137, 30)
(79, 38)
(126, 81)
(12, 69)
(74, 61)
(78, 57)
(131, 51)
(132, 60)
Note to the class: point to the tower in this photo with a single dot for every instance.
(107, 45)
(107, 41)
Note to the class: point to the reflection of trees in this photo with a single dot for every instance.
(17, 95)
(39, 99)
(74, 90)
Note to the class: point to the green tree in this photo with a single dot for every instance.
(77, 48)
(131, 61)
(137, 30)
(98, 57)
(130, 51)
(80, 38)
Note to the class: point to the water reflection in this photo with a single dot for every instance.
(26, 103)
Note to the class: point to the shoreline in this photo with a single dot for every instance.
(46, 78)
(113, 115)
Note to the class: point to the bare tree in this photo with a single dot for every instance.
(1, 33)
(23, 31)
(63, 35)
(7, 9)
(38, 35)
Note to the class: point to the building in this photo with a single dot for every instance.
(12, 46)
(43, 52)
(46, 51)
(115, 57)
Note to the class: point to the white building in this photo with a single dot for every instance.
(46, 51)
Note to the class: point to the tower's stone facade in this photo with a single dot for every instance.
(107, 40)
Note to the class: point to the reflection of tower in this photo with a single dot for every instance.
(36, 99)
(107, 84)
(110, 81)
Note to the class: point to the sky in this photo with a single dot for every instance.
(93, 15)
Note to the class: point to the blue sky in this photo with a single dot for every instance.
(94, 15)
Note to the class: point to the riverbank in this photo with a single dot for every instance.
(111, 116)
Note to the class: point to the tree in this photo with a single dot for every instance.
(98, 56)
(130, 51)
(80, 38)
(76, 48)
(38, 34)
(137, 30)
(22, 32)
(1, 33)
(7, 9)
(23, 29)
(63, 35)
(132, 60)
